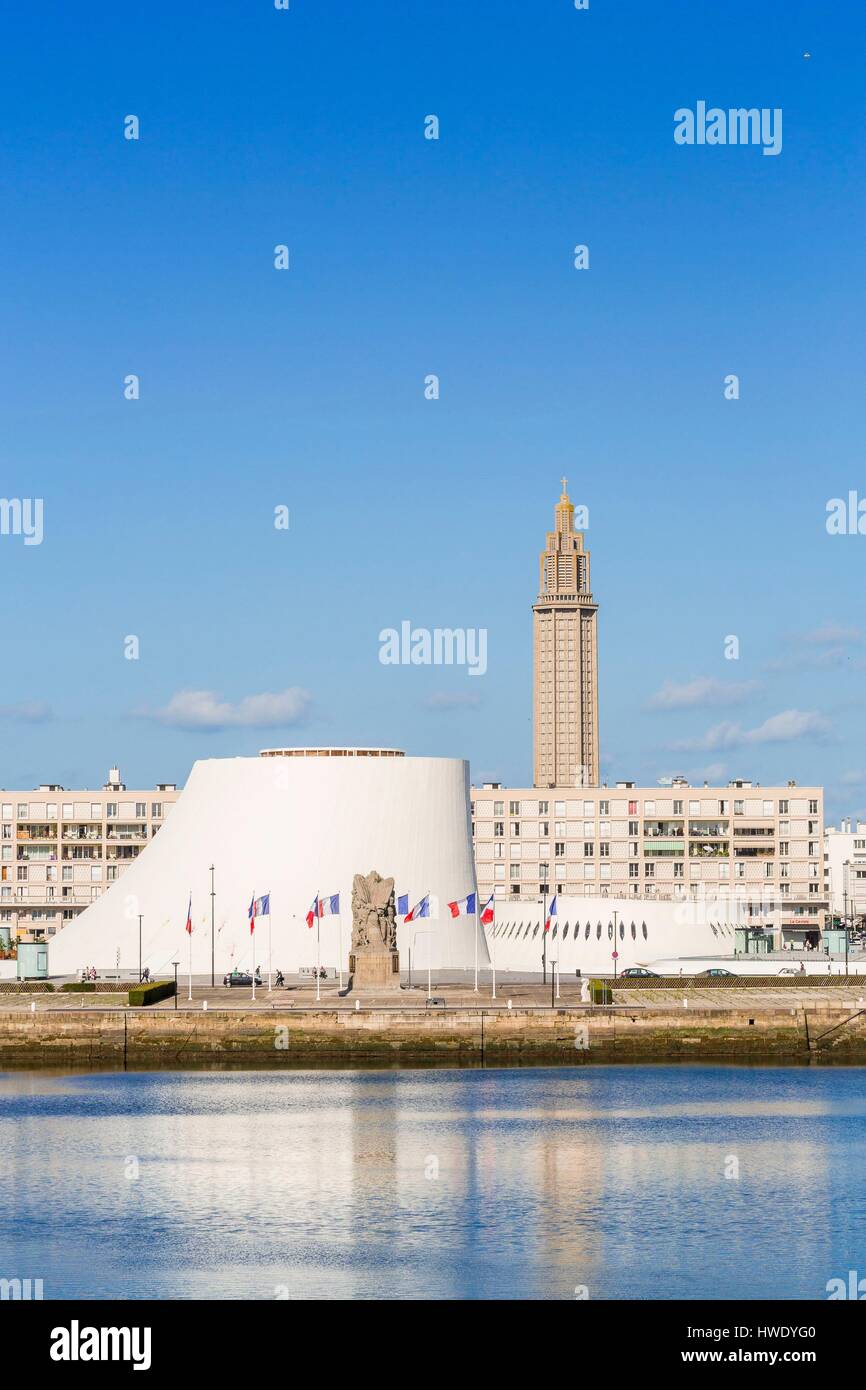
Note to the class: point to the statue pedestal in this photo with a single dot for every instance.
(375, 970)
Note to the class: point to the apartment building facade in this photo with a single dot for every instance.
(60, 849)
(845, 869)
(763, 845)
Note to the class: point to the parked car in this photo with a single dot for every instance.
(236, 978)
(716, 970)
(638, 972)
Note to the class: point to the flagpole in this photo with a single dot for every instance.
(253, 943)
(493, 956)
(477, 926)
(189, 934)
(270, 943)
(340, 918)
(318, 949)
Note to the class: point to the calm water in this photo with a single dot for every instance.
(435, 1184)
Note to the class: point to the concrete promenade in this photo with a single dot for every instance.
(289, 1028)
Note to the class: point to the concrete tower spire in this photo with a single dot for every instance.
(565, 659)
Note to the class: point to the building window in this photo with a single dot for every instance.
(813, 808)
(678, 808)
(588, 849)
(498, 828)
(783, 808)
(604, 808)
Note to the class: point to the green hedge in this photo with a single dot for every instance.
(95, 987)
(140, 995)
(797, 981)
(26, 987)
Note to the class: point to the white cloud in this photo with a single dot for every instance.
(27, 712)
(784, 727)
(702, 691)
(831, 635)
(203, 709)
(444, 700)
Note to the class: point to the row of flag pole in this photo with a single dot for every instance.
(329, 906)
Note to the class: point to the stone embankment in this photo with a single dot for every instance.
(472, 1036)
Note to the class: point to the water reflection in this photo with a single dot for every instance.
(637, 1182)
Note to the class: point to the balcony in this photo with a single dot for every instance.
(37, 831)
(708, 830)
(717, 849)
(128, 833)
(73, 833)
(663, 849)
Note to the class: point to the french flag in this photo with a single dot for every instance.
(313, 912)
(487, 912)
(189, 916)
(464, 907)
(330, 906)
(402, 904)
(421, 909)
(251, 913)
(551, 913)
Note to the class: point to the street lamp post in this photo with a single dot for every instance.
(544, 937)
(174, 963)
(845, 909)
(427, 932)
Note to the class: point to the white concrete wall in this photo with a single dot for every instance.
(290, 827)
(672, 929)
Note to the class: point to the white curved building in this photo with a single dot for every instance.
(585, 932)
(292, 823)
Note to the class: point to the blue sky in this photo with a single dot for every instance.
(305, 388)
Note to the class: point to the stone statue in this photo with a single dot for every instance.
(374, 963)
(374, 921)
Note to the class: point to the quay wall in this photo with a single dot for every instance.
(480, 1036)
